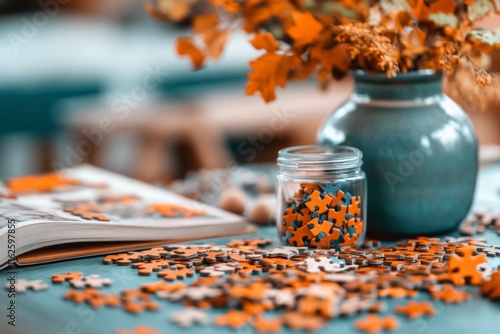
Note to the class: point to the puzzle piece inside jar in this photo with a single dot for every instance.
(323, 218)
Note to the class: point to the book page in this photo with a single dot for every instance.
(87, 195)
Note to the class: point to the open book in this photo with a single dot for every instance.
(86, 211)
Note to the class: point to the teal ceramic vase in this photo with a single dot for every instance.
(419, 149)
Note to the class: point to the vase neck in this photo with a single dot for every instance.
(410, 86)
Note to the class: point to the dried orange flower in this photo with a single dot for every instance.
(328, 38)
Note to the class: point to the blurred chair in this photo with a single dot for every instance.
(28, 110)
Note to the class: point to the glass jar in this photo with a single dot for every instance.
(321, 197)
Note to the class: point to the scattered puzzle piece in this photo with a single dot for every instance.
(162, 286)
(123, 259)
(146, 268)
(39, 183)
(22, 285)
(491, 288)
(312, 285)
(267, 325)
(136, 301)
(373, 323)
(173, 210)
(173, 274)
(234, 319)
(94, 281)
(93, 297)
(448, 294)
(414, 310)
(73, 275)
(139, 330)
(461, 268)
(397, 292)
(298, 321)
(188, 317)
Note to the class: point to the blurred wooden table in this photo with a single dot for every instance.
(193, 135)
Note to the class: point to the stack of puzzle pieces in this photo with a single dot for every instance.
(302, 288)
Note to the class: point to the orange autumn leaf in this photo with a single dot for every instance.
(414, 43)
(205, 23)
(303, 38)
(215, 42)
(185, 47)
(231, 6)
(422, 11)
(442, 6)
(333, 61)
(268, 71)
(305, 29)
(175, 10)
(265, 41)
(153, 11)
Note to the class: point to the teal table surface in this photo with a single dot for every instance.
(47, 312)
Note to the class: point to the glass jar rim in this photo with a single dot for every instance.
(319, 157)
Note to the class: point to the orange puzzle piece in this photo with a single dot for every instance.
(461, 268)
(491, 288)
(298, 321)
(318, 204)
(136, 301)
(317, 228)
(414, 310)
(298, 238)
(374, 324)
(234, 319)
(171, 274)
(354, 208)
(139, 330)
(93, 297)
(72, 275)
(449, 295)
(338, 217)
(267, 325)
(123, 259)
(39, 183)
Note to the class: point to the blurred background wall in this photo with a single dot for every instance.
(98, 81)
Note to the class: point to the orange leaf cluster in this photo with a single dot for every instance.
(206, 29)
(328, 38)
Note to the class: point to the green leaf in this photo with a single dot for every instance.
(375, 16)
(390, 6)
(486, 36)
(443, 19)
(479, 9)
(335, 7)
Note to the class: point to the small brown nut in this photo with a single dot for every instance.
(262, 212)
(233, 200)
